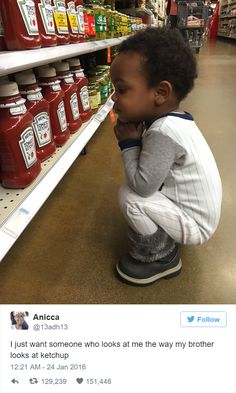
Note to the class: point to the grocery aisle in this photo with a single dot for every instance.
(68, 252)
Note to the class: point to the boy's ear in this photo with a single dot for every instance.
(162, 92)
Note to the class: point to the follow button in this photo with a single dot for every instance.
(203, 318)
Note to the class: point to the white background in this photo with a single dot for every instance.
(139, 370)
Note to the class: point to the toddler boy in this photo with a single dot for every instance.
(173, 191)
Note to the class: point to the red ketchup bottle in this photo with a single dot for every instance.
(2, 40)
(71, 101)
(80, 15)
(54, 95)
(39, 108)
(61, 24)
(72, 21)
(44, 12)
(82, 89)
(18, 160)
(20, 24)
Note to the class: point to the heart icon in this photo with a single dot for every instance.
(79, 380)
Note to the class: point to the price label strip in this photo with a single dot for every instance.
(101, 115)
(17, 223)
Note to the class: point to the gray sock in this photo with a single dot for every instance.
(150, 248)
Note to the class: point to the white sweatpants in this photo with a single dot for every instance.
(144, 215)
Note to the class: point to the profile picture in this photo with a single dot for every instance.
(19, 320)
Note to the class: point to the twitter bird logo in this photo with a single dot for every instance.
(190, 319)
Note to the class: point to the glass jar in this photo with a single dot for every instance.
(99, 77)
(106, 73)
(104, 22)
(93, 96)
(110, 21)
(91, 22)
(98, 20)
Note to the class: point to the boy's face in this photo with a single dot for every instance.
(134, 99)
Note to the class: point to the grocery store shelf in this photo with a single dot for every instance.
(227, 16)
(15, 61)
(19, 206)
(226, 36)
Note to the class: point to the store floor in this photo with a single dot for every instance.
(68, 252)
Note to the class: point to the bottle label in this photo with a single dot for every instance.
(104, 22)
(91, 26)
(42, 129)
(72, 16)
(56, 87)
(46, 12)
(60, 17)
(86, 27)
(27, 146)
(1, 27)
(112, 23)
(35, 96)
(99, 22)
(80, 16)
(104, 92)
(18, 110)
(74, 106)
(84, 96)
(79, 74)
(93, 100)
(27, 10)
(61, 113)
(69, 80)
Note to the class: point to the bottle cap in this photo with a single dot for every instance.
(25, 78)
(37, 69)
(8, 89)
(74, 62)
(62, 66)
(48, 72)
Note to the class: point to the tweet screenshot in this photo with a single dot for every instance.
(118, 348)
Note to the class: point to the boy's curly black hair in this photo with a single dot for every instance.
(166, 56)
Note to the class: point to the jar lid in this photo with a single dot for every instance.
(48, 72)
(62, 66)
(74, 62)
(25, 78)
(8, 89)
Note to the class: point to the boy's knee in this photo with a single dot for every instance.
(126, 198)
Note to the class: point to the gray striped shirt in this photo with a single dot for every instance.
(175, 158)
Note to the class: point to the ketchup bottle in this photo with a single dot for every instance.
(20, 24)
(39, 108)
(44, 12)
(71, 101)
(61, 23)
(80, 15)
(72, 21)
(54, 95)
(18, 160)
(82, 89)
(2, 40)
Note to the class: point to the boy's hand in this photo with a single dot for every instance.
(128, 130)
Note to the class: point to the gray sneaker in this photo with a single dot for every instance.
(144, 273)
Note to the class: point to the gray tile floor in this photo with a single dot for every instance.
(68, 252)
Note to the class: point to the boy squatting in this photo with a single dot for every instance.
(173, 192)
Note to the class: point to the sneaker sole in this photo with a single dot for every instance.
(150, 280)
